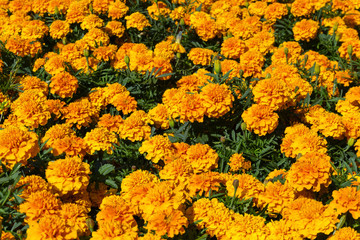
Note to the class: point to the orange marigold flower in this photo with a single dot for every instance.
(115, 230)
(201, 56)
(276, 197)
(69, 175)
(282, 229)
(114, 208)
(34, 29)
(311, 171)
(299, 139)
(17, 145)
(77, 11)
(105, 53)
(80, 112)
(59, 29)
(202, 158)
(30, 109)
(275, 11)
(100, 139)
(305, 30)
(191, 108)
(346, 199)
(55, 64)
(135, 127)
(177, 169)
(293, 53)
(7, 236)
(345, 233)
(63, 84)
(48, 227)
(351, 124)
(261, 119)
(272, 92)
(137, 20)
(56, 132)
(249, 186)
(91, 21)
(202, 183)
(71, 145)
(38, 205)
(168, 221)
(162, 66)
(158, 9)
(156, 148)
(75, 218)
(111, 123)
(98, 191)
(310, 217)
(135, 179)
(237, 162)
(117, 9)
(217, 99)
(193, 82)
(251, 63)
(302, 8)
(124, 102)
(33, 83)
(31, 184)
(160, 116)
(95, 37)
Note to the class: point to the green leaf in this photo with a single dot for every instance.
(106, 169)
(111, 183)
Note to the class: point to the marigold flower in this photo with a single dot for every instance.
(98, 191)
(275, 11)
(311, 171)
(7, 236)
(111, 123)
(31, 184)
(204, 182)
(237, 162)
(48, 227)
(117, 9)
(251, 63)
(80, 112)
(115, 209)
(75, 218)
(17, 145)
(217, 99)
(137, 20)
(55, 64)
(346, 199)
(178, 170)
(95, 37)
(135, 127)
(351, 125)
(59, 29)
(310, 217)
(260, 119)
(202, 157)
(201, 56)
(156, 148)
(34, 83)
(345, 233)
(91, 21)
(115, 230)
(302, 8)
(100, 139)
(160, 116)
(124, 102)
(191, 83)
(249, 186)
(191, 108)
(105, 53)
(30, 109)
(68, 175)
(77, 11)
(158, 9)
(305, 30)
(39, 205)
(293, 53)
(282, 229)
(168, 221)
(63, 84)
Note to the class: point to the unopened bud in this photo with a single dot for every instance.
(178, 37)
(56, 11)
(268, 75)
(19, 233)
(182, 22)
(90, 223)
(86, 53)
(350, 50)
(133, 167)
(286, 51)
(243, 126)
(217, 66)
(11, 188)
(335, 27)
(127, 60)
(172, 123)
(246, 4)
(317, 69)
(351, 142)
(222, 139)
(63, 40)
(241, 72)
(236, 183)
(338, 36)
(91, 8)
(178, 55)
(298, 156)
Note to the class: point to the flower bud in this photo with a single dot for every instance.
(90, 223)
(178, 37)
(236, 183)
(64, 40)
(127, 59)
(317, 69)
(172, 123)
(338, 36)
(178, 55)
(86, 53)
(243, 126)
(268, 75)
(350, 50)
(217, 66)
(222, 139)
(56, 11)
(335, 27)
(19, 233)
(351, 142)
(241, 72)
(298, 156)
(91, 8)
(133, 167)
(182, 22)
(246, 4)
(286, 51)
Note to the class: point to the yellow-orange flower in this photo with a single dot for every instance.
(48, 227)
(31, 184)
(80, 112)
(59, 29)
(345, 233)
(137, 20)
(305, 30)
(69, 175)
(63, 84)
(135, 127)
(217, 99)
(202, 157)
(156, 148)
(17, 145)
(201, 56)
(249, 186)
(261, 119)
(346, 199)
(237, 162)
(100, 139)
